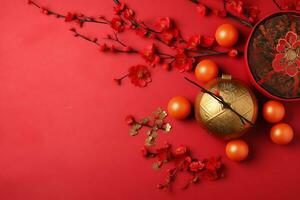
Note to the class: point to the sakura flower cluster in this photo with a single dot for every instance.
(182, 53)
(181, 161)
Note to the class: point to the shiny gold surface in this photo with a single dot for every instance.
(223, 122)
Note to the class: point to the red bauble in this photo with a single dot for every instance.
(237, 150)
(179, 107)
(227, 35)
(282, 134)
(273, 111)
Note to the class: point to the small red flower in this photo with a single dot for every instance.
(207, 41)
(183, 164)
(117, 24)
(163, 24)
(44, 11)
(253, 11)
(183, 62)
(141, 31)
(210, 176)
(119, 8)
(213, 164)
(103, 47)
(128, 13)
(235, 6)
(150, 55)
(196, 166)
(202, 9)
(129, 119)
(287, 58)
(180, 151)
(163, 154)
(233, 53)
(170, 35)
(193, 42)
(220, 13)
(139, 75)
(70, 17)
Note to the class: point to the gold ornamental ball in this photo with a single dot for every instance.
(222, 121)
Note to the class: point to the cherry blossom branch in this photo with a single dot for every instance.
(80, 19)
(228, 14)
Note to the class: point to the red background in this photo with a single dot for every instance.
(62, 130)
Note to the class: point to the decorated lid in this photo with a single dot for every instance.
(273, 55)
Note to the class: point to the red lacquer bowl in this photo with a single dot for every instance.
(272, 56)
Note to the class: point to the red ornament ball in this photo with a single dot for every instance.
(206, 70)
(227, 35)
(179, 107)
(273, 111)
(237, 150)
(282, 134)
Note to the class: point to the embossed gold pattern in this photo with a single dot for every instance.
(223, 122)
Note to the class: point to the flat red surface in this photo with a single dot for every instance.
(62, 130)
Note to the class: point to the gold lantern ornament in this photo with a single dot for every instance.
(226, 107)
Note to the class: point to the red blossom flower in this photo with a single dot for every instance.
(169, 35)
(234, 6)
(128, 13)
(139, 75)
(183, 62)
(119, 8)
(287, 58)
(141, 31)
(253, 11)
(207, 41)
(233, 53)
(163, 154)
(103, 47)
(70, 17)
(210, 176)
(202, 9)
(180, 151)
(163, 24)
(196, 166)
(213, 164)
(183, 163)
(129, 119)
(193, 42)
(220, 13)
(150, 56)
(117, 24)
(44, 11)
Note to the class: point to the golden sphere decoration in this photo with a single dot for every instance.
(221, 121)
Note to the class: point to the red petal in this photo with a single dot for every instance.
(296, 44)
(291, 70)
(291, 37)
(278, 63)
(282, 45)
